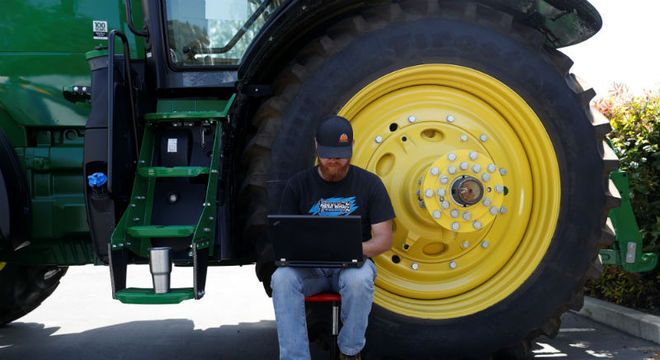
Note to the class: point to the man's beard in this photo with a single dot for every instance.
(335, 172)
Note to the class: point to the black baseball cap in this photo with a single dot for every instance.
(335, 138)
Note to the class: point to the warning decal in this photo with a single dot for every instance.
(100, 29)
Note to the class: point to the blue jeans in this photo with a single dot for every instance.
(291, 285)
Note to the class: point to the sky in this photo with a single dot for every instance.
(626, 49)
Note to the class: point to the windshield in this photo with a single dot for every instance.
(214, 32)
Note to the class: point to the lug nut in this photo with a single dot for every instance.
(464, 138)
(455, 226)
(437, 214)
(452, 264)
(451, 156)
(442, 192)
(444, 179)
(476, 168)
(417, 192)
(467, 216)
(434, 171)
(414, 266)
(428, 193)
(453, 213)
(483, 137)
(465, 245)
(502, 171)
(493, 210)
(412, 118)
(476, 224)
(421, 204)
(502, 210)
(485, 177)
(450, 118)
(451, 169)
(464, 165)
(491, 168)
(486, 202)
(379, 139)
(473, 155)
(484, 244)
(445, 205)
(499, 188)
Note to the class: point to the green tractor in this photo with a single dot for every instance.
(176, 123)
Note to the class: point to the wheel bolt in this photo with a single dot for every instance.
(476, 224)
(473, 155)
(451, 169)
(444, 179)
(486, 202)
(464, 165)
(452, 264)
(499, 188)
(502, 171)
(414, 266)
(445, 205)
(493, 210)
(450, 118)
(455, 226)
(453, 213)
(485, 177)
(451, 156)
(379, 139)
(502, 210)
(442, 192)
(484, 244)
(421, 204)
(437, 214)
(467, 216)
(428, 193)
(483, 137)
(476, 168)
(434, 171)
(412, 118)
(465, 245)
(464, 138)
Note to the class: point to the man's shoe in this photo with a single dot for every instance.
(350, 357)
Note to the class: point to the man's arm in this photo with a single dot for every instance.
(381, 240)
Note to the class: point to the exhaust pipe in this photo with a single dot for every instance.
(160, 265)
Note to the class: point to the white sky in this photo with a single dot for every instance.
(626, 49)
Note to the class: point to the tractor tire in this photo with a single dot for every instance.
(420, 81)
(23, 288)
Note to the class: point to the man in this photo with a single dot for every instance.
(334, 187)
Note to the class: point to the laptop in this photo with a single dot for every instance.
(316, 241)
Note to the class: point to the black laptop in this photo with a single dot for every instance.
(316, 241)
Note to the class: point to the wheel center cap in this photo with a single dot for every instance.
(463, 191)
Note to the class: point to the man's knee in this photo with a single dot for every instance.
(285, 278)
(357, 279)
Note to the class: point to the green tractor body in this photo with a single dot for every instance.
(175, 124)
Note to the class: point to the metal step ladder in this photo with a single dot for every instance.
(134, 232)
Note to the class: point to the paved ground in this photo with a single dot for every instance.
(234, 320)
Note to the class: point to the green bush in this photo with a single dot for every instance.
(636, 137)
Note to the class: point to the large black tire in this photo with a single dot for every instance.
(23, 288)
(353, 53)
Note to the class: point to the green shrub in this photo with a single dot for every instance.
(636, 137)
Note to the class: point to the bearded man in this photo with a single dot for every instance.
(333, 188)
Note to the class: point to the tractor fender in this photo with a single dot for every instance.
(562, 23)
(15, 206)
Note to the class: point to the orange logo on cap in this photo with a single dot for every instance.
(343, 138)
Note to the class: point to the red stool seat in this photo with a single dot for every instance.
(323, 297)
(335, 299)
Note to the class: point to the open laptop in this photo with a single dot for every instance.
(316, 241)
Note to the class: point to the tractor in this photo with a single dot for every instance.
(128, 127)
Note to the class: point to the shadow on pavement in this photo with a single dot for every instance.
(160, 339)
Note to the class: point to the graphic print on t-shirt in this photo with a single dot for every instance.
(334, 206)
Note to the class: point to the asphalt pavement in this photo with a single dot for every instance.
(234, 320)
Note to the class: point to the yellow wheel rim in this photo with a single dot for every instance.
(411, 126)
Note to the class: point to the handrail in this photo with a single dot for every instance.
(111, 96)
(129, 20)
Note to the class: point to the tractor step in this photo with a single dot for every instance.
(147, 296)
(161, 231)
(177, 171)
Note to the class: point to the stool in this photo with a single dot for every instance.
(336, 303)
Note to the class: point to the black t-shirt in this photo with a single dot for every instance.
(360, 192)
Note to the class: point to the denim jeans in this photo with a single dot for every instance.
(290, 286)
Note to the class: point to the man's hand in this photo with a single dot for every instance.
(381, 240)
